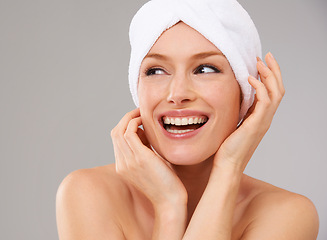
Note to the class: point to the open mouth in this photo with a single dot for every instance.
(179, 125)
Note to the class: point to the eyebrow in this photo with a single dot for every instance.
(195, 56)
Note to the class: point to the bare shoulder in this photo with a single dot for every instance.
(87, 204)
(280, 214)
(99, 180)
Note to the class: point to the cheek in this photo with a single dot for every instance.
(225, 96)
(148, 100)
(148, 94)
(225, 102)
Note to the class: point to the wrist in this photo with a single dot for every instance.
(171, 213)
(229, 171)
(229, 166)
(171, 201)
(171, 204)
(170, 221)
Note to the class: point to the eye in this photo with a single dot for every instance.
(205, 68)
(154, 71)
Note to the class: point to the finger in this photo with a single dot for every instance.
(122, 125)
(124, 147)
(260, 88)
(274, 66)
(262, 101)
(132, 138)
(122, 150)
(268, 78)
(121, 147)
(119, 159)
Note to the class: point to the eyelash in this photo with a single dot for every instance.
(208, 65)
(149, 70)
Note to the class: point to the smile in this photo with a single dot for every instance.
(182, 125)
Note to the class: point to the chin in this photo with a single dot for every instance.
(186, 155)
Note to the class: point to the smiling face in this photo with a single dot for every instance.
(189, 97)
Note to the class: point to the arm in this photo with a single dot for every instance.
(88, 204)
(213, 216)
(216, 207)
(151, 175)
(169, 222)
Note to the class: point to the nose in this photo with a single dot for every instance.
(181, 90)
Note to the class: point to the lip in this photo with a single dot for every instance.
(182, 113)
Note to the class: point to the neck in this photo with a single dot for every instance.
(195, 179)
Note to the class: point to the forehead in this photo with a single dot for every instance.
(182, 38)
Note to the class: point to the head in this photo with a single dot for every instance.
(185, 77)
(195, 69)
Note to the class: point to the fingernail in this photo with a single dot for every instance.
(261, 63)
(271, 56)
(252, 78)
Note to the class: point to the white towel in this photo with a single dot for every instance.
(225, 23)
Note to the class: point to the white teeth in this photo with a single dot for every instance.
(178, 121)
(167, 121)
(184, 121)
(179, 131)
(172, 121)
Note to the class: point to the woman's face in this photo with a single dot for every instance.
(189, 97)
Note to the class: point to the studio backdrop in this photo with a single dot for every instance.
(64, 86)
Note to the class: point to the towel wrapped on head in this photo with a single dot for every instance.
(224, 23)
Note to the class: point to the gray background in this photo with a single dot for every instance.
(63, 87)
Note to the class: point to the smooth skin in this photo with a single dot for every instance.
(190, 188)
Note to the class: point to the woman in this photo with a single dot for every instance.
(182, 176)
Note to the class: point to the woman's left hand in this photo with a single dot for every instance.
(238, 148)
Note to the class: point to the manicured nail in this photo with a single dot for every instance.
(252, 78)
(271, 56)
(261, 63)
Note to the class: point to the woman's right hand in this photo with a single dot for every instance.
(139, 165)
